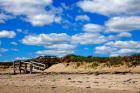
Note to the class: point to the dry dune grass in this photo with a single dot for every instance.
(82, 67)
(91, 67)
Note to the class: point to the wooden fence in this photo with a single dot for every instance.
(27, 67)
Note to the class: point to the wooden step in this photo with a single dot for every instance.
(40, 64)
(38, 67)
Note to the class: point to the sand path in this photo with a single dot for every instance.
(70, 83)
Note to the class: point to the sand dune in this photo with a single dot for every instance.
(53, 80)
(61, 67)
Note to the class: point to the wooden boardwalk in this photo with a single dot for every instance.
(27, 67)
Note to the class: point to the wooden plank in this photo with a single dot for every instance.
(31, 68)
(23, 66)
(25, 69)
(26, 62)
(14, 68)
(38, 67)
(38, 63)
(20, 67)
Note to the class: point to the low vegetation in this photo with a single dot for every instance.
(133, 60)
(5, 65)
(94, 62)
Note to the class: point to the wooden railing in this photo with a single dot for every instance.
(27, 67)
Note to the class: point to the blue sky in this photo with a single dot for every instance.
(60, 27)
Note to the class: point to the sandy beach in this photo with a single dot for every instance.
(67, 79)
(69, 46)
(70, 83)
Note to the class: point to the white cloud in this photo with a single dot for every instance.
(41, 19)
(118, 36)
(128, 51)
(88, 38)
(113, 37)
(33, 11)
(123, 24)
(3, 50)
(61, 46)
(18, 7)
(21, 58)
(117, 48)
(105, 50)
(111, 7)
(14, 49)
(58, 44)
(124, 34)
(124, 44)
(14, 43)
(82, 18)
(7, 34)
(55, 52)
(92, 28)
(66, 7)
(4, 17)
(46, 39)
(19, 30)
(58, 19)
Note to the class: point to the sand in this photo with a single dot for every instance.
(61, 67)
(70, 83)
(62, 79)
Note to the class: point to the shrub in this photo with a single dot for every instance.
(93, 65)
(78, 64)
(66, 64)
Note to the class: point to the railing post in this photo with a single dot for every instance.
(31, 67)
(14, 68)
(20, 67)
(25, 68)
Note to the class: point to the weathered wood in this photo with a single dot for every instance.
(14, 68)
(23, 66)
(38, 67)
(20, 67)
(25, 71)
(31, 68)
(38, 63)
(26, 62)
